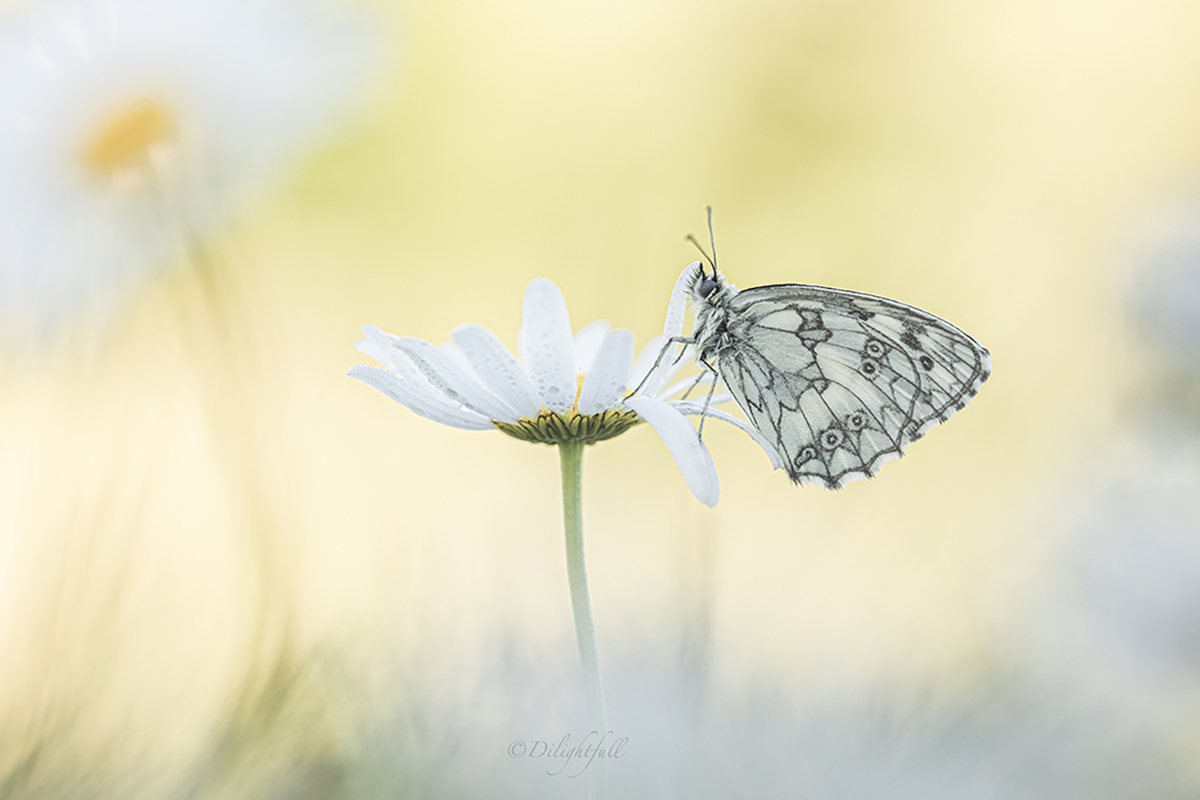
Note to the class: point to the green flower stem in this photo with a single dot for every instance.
(571, 454)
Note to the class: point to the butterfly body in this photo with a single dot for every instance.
(840, 382)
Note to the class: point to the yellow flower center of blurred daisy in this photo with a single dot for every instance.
(125, 139)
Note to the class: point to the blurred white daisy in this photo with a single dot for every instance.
(128, 127)
(564, 388)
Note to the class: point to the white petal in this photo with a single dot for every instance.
(605, 381)
(420, 399)
(378, 334)
(497, 368)
(721, 397)
(678, 357)
(546, 346)
(372, 350)
(698, 394)
(402, 365)
(686, 383)
(644, 361)
(694, 408)
(672, 327)
(587, 343)
(443, 373)
(383, 347)
(455, 354)
(691, 456)
(677, 307)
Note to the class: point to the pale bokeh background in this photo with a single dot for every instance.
(997, 163)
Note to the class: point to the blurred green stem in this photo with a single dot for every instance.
(571, 455)
(229, 403)
(225, 360)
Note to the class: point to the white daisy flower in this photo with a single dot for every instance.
(128, 127)
(563, 389)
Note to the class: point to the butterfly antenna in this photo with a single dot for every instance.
(700, 247)
(712, 238)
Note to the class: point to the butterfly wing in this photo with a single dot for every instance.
(840, 381)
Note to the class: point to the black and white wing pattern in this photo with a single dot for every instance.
(842, 381)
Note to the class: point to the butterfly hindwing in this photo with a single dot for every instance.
(842, 381)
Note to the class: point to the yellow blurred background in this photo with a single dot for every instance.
(208, 604)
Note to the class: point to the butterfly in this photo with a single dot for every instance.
(838, 381)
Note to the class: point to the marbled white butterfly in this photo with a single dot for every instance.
(840, 382)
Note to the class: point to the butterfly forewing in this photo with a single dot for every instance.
(842, 381)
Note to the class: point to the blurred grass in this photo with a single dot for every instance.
(987, 161)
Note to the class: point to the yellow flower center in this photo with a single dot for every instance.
(579, 378)
(552, 428)
(125, 139)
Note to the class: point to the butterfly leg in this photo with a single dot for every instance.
(708, 399)
(666, 346)
(695, 383)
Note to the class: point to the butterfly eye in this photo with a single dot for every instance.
(707, 287)
(856, 421)
(831, 438)
(869, 367)
(875, 348)
(927, 362)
